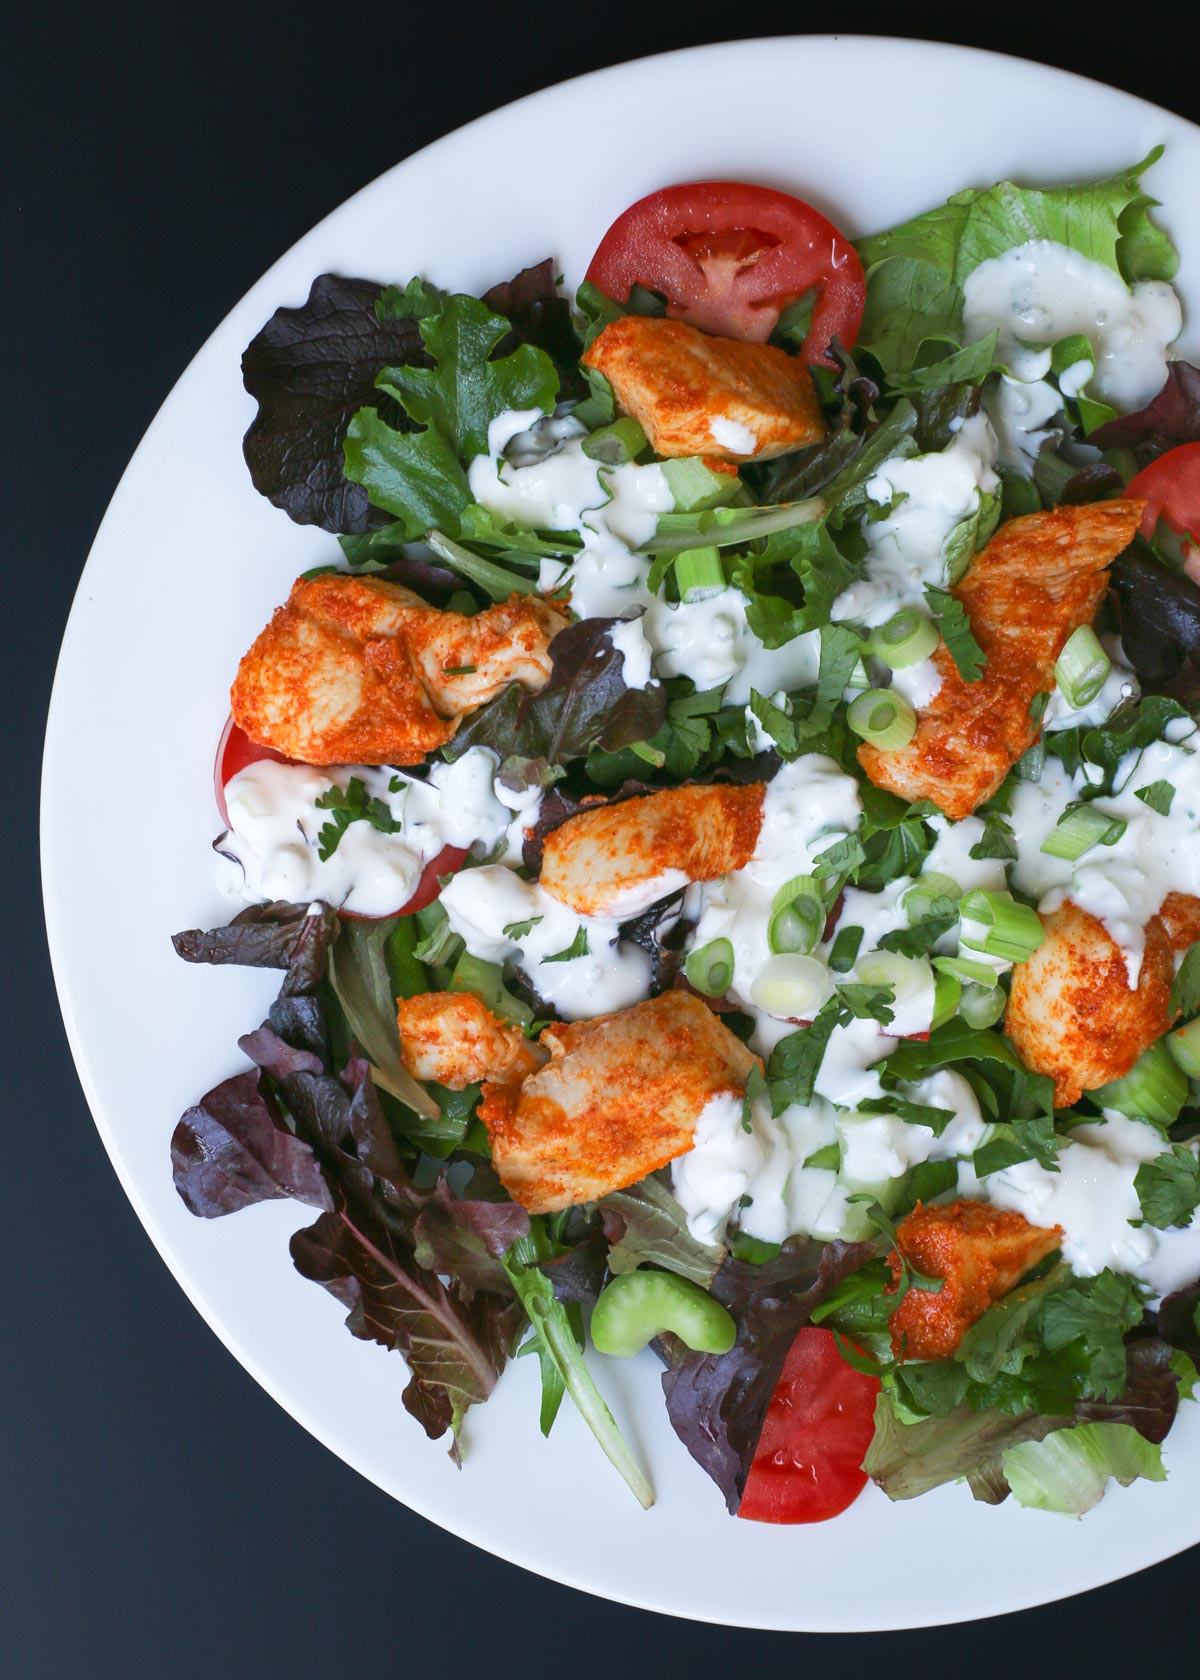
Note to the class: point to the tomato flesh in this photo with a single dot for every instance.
(807, 1466)
(730, 257)
(1171, 487)
(236, 751)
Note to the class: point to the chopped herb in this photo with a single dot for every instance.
(518, 930)
(352, 805)
(955, 626)
(1158, 795)
(577, 948)
(458, 670)
(913, 1113)
(829, 1159)
(1185, 990)
(1168, 1188)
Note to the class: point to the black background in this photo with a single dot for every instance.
(161, 1515)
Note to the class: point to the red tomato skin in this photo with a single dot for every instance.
(729, 257)
(807, 1466)
(1171, 487)
(236, 751)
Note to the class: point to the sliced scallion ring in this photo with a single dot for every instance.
(906, 639)
(698, 570)
(918, 900)
(1154, 1089)
(883, 719)
(1184, 1047)
(1004, 928)
(947, 991)
(907, 976)
(1079, 829)
(982, 1006)
(710, 968)
(1081, 668)
(797, 916)
(965, 971)
(792, 988)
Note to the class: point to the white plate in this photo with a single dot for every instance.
(187, 566)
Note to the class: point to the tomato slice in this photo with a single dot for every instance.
(807, 1466)
(235, 751)
(729, 257)
(1171, 486)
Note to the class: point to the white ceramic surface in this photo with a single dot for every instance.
(870, 131)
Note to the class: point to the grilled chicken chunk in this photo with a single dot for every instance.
(697, 395)
(454, 1039)
(616, 860)
(357, 671)
(1180, 917)
(1071, 1012)
(982, 1252)
(1030, 589)
(620, 1098)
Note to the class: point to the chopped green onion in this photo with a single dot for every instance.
(905, 975)
(946, 994)
(792, 988)
(843, 953)
(962, 969)
(1010, 930)
(883, 719)
(1081, 668)
(858, 678)
(1154, 1089)
(1184, 1046)
(695, 486)
(710, 969)
(918, 900)
(797, 916)
(1079, 829)
(982, 1006)
(906, 639)
(698, 570)
(616, 444)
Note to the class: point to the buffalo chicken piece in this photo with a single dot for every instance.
(982, 1252)
(357, 671)
(697, 395)
(615, 860)
(1179, 914)
(454, 1039)
(619, 1099)
(1072, 1013)
(1026, 593)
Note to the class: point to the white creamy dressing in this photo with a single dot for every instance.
(1122, 885)
(808, 806)
(482, 903)
(951, 855)
(1041, 292)
(271, 849)
(1092, 1196)
(929, 496)
(732, 435)
(710, 641)
(630, 641)
(918, 684)
(1023, 417)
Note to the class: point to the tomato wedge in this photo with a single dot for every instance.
(1171, 487)
(730, 257)
(235, 751)
(807, 1466)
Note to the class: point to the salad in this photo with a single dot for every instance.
(727, 816)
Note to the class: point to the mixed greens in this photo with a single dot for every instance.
(373, 400)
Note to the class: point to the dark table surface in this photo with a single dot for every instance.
(162, 1515)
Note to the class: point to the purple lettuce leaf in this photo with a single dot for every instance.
(584, 706)
(717, 1402)
(577, 1277)
(310, 370)
(295, 937)
(1179, 1321)
(1150, 1397)
(531, 304)
(1173, 417)
(455, 1347)
(1159, 612)
(231, 1151)
(466, 1240)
